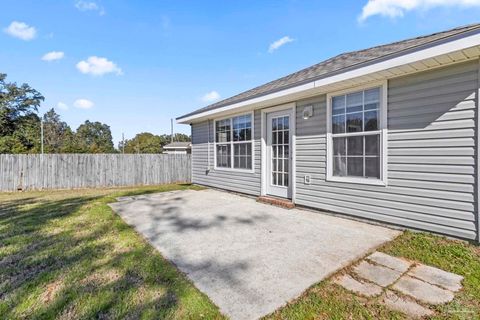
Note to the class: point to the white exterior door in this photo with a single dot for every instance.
(279, 153)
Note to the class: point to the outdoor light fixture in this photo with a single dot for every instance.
(307, 112)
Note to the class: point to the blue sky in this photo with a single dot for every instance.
(136, 64)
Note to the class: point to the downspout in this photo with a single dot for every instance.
(208, 146)
(477, 157)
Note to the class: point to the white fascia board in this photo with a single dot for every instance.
(249, 102)
(434, 51)
(424, 54)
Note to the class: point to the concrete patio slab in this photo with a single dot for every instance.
(249, 258)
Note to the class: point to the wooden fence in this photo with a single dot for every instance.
(70, 171)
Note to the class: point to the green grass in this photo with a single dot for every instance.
(327, 300)
(66, 255)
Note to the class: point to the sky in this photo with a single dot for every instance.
(135, 65)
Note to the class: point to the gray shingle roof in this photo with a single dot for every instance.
(338, 64)
(177, 145)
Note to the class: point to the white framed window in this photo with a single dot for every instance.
(234, 143)
(356, 135)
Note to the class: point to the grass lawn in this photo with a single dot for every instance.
(327, 300)
(66, 255)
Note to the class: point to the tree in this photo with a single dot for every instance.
(181, 137)
(19, 124)
(57, 134)
(94, 137)
(144, 142)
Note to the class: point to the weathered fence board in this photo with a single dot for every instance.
(70, 171)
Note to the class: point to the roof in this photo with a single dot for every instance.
(337, 64)
(177, 145)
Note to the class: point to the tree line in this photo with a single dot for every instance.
(20, 128)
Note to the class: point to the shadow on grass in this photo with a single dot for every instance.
(73, 258)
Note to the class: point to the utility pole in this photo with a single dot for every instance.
(171, 137)
(123, 143)
(41, 133)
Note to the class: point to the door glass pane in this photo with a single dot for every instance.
(280, 150)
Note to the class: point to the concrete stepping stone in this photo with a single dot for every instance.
(423, 291)
(444, 279)
(409, 307)
(389, 261)
(380, 275)
(363, 288)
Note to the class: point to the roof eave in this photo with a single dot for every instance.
(450, 45)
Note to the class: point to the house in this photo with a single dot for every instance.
(388, 134)
(178, 148)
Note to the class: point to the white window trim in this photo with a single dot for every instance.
(383, 181)
(231, 142)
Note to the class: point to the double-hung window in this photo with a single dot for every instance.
(355, 137)
(234, 142)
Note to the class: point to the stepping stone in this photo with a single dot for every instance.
(380, 275)
(444, 279)
(423, 291)
(409, 307)
(389, 261)
(360, 287)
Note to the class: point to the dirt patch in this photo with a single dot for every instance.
(51, 291)
(100, 279)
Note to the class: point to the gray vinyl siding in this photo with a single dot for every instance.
(431, 156)
(244, 182)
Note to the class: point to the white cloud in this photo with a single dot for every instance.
(62, 106)
(98, 66)
(53, 55)
(21, 30)
(83, 104)
(280, 42)
(211, 96)
(397, 8)
(89, 6)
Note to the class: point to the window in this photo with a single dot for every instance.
(355, 136)
(234, 142)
